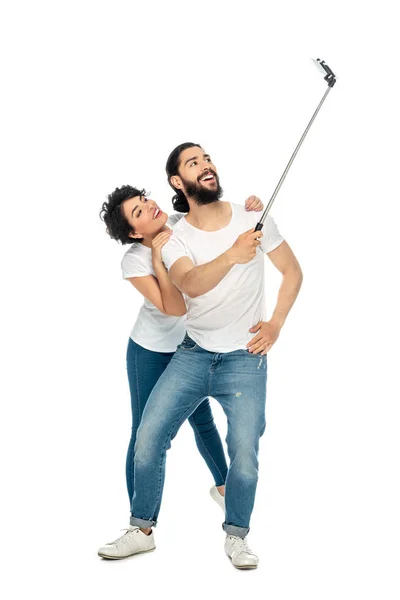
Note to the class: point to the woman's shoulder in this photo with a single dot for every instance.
(137, 254)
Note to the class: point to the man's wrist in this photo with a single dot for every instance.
(278, 320)
(228, 258)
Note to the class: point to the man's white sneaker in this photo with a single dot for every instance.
(239, 552)
(134, 541)
(219, 498)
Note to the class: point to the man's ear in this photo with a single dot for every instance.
(176, 181)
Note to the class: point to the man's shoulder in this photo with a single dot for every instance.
(247, 217)
(180, 227)
(174, 219)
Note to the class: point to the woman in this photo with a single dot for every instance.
(132, 217)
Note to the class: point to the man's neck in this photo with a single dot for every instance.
(209, 217)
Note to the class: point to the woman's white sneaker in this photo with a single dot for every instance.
(134, 541)
(219, 498)
(239, 552)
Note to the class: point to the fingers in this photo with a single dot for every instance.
(249, 200)
(262, 346)
(254, 341)
(254, 235)
(267, 349)
(252, 232)
(161, 239)
(253, 203)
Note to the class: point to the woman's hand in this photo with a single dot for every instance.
(158, 242)
(254, 203)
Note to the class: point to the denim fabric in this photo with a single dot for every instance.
(237, 380)
(144, 369)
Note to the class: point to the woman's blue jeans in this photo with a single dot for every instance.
(144, 369)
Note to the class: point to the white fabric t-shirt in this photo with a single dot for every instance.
(219, 321)
(153, 329)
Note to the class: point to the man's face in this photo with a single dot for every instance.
(198, 176)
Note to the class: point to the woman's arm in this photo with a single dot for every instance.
(160, 290)
(149, 287)
(171, 297)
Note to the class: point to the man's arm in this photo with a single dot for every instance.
(286, 262)
(268, 332)
(196, 281)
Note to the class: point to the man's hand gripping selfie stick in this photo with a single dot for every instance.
(330, 78)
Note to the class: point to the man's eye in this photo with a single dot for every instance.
(208, 159)
(193, 163)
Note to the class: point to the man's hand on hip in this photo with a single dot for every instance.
(267, 334)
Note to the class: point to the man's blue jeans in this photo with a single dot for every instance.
(237, 380)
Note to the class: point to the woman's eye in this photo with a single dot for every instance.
(139, 213)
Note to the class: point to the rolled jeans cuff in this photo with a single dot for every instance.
(142, 523)
(237, 531)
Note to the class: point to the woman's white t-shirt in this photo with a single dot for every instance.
(153, 329)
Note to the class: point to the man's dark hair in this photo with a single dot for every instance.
(179, 201)
(111, 213)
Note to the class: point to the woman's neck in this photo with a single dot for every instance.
(148, 239)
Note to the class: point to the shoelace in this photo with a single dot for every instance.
(127, 531)
(241, 545)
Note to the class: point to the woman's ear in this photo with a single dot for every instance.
(136, 236)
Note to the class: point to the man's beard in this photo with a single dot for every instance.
(202, 195)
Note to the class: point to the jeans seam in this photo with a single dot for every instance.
(138, 412)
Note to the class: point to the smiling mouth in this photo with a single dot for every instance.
(207, 177)
(157, 213)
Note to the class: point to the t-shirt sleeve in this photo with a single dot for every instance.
(271, 237)
(172, 251)
(132, 266)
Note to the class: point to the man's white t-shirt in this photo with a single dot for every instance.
(219, 321)
(153, 329)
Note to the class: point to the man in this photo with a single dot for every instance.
(220, 270)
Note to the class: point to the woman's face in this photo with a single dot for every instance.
(145, 217)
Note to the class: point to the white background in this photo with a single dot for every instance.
(95, 95)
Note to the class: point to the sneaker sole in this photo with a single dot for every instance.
(126, 556)
(244, 567)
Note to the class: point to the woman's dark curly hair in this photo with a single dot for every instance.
(179, 201)
(111, 213)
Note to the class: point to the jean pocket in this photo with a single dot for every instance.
(246, 351)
